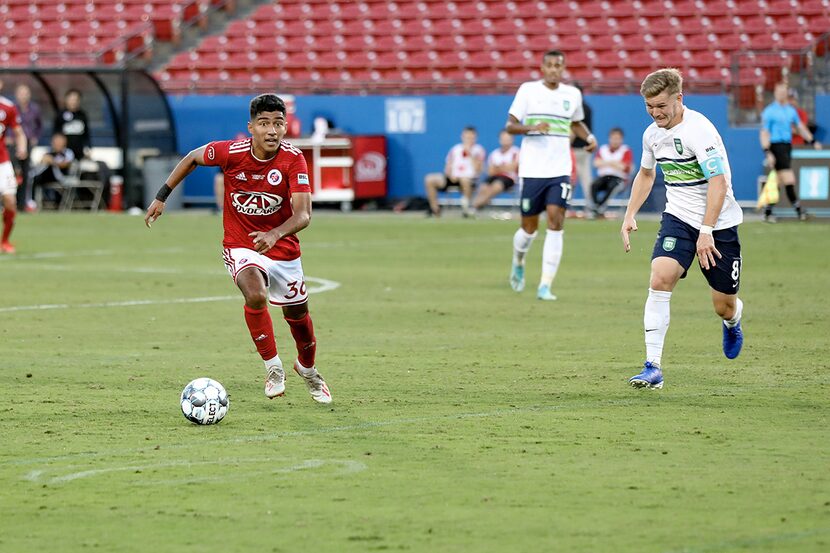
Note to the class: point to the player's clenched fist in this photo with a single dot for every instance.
(263, 241)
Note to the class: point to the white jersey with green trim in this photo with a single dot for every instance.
(546, 155)
(689, 154)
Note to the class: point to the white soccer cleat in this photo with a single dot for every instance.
(314, 382)
(275, 382)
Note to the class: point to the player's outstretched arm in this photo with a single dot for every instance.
(640, 190)
(186, 166)
(581, 130)
(300, 219)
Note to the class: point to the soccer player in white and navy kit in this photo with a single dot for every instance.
(701, 217)
(267, 202)
(546, 112)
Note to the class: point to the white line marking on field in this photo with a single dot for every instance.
(87, 253)
(99, 269)
(324, 285)
(338, 466)
(751, 543)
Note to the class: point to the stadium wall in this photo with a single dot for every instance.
(200, 119)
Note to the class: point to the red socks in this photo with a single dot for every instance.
(8, 223)
(303, 332)
(262, 331)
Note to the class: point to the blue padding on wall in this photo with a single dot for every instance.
(201, 119)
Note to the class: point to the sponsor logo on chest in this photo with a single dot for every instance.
(256, 203)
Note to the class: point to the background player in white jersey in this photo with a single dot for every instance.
(502, 171)
(267, 202)
(546, 112)
(701, 217)
(461, 169)
(613, 162)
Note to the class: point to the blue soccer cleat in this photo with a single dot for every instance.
(544, 293)
(651, 377)
(733, 340)
(517, 278)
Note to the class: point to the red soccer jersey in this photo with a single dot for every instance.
(9, 119)
(258, 193)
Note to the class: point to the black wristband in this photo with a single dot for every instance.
(766, 150)
(163, 193)
(812, 141)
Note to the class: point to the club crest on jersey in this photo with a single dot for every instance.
(566, 104)
(669, 243)
(678, 145)
(274, 177)
(256, 203)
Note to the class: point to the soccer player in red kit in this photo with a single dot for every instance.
(9, 119)
(267, 201)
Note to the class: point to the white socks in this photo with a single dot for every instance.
(521, 245)
(656, 322)
(275, 362)
(551, 255)
(739, 309)
(306, 371)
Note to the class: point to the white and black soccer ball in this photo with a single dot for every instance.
(204, 401)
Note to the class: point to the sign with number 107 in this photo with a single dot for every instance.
(406, 116)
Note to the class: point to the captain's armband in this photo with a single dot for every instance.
(712, 167)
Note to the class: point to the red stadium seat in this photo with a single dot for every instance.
(819, 25)
(795, 40)
(814, 8)
(623, 8)
(748, 8)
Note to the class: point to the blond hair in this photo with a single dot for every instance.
(669, 80)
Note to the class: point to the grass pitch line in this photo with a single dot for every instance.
(340, 466)
(88, 253)
(324, 285)
(749, 543)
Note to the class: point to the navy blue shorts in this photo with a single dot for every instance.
(678, 240)
(538, 194)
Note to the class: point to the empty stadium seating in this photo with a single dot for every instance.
(345, 45)
(338, 44)
(87, 32)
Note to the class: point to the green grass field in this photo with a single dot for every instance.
(466, 417)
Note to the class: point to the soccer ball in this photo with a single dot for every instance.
(204, 401)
